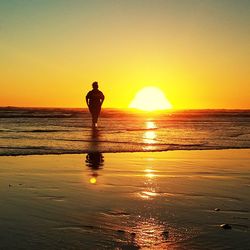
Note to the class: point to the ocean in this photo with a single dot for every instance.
(36, 131)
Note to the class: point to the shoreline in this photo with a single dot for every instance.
(123, 152)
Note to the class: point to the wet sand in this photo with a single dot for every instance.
(163, 200)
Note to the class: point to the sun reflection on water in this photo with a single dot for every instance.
(149, 136)
(150, 125)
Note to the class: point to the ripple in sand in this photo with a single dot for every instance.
(237, 211)
(240, 227)
(52, 197)
(116, 213)
(30, 187)
(80, 228)
(240, 218)
(201, 196)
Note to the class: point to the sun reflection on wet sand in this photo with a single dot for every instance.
(150, 185)
(92, 180)
(149, 173)
(148, 194)
(150, 233)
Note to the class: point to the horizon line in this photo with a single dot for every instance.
(56, 107)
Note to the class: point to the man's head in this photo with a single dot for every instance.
(95, 85)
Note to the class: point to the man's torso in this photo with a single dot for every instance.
(95, 97)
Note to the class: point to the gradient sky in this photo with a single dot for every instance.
(196, 51)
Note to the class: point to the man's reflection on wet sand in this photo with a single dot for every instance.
(94, 159)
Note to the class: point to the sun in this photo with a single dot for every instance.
(150, 99)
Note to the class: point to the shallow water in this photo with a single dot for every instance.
(163, 200)
(25, 131)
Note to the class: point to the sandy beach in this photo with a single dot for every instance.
(161, 200)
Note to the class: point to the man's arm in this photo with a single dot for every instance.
(102, 98)
(87, 99)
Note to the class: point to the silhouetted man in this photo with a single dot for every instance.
(94, 100)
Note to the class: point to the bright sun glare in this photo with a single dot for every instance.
(150, 99)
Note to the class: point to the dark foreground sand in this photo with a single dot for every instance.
(161, 200)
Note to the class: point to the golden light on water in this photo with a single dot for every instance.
(150, 125)
(150, 99)
(149, 136)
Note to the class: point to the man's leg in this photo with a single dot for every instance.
(94, 119)
(95, 111)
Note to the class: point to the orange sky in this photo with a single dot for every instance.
(196, 52)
